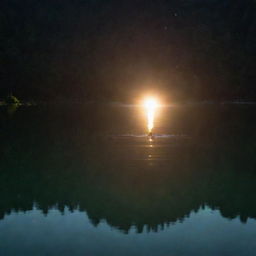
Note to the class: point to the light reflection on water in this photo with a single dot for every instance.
(71, 186)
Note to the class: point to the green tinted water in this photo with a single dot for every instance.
(85, 180)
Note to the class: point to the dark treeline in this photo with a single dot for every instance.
(49, 163)
(113, 50)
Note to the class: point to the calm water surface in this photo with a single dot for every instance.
(85, 180)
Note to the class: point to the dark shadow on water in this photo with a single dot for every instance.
(70, 158)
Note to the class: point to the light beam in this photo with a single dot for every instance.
(150, 105)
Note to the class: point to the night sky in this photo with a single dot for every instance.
(114, 50)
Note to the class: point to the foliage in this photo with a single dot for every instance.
(12, 100)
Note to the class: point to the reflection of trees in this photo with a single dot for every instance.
(51, 165)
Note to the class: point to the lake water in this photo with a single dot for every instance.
(86, 180)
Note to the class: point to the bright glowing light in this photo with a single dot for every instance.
(150, 105)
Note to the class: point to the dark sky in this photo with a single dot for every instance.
(116, 48)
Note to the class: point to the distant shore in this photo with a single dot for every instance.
(125, 104)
